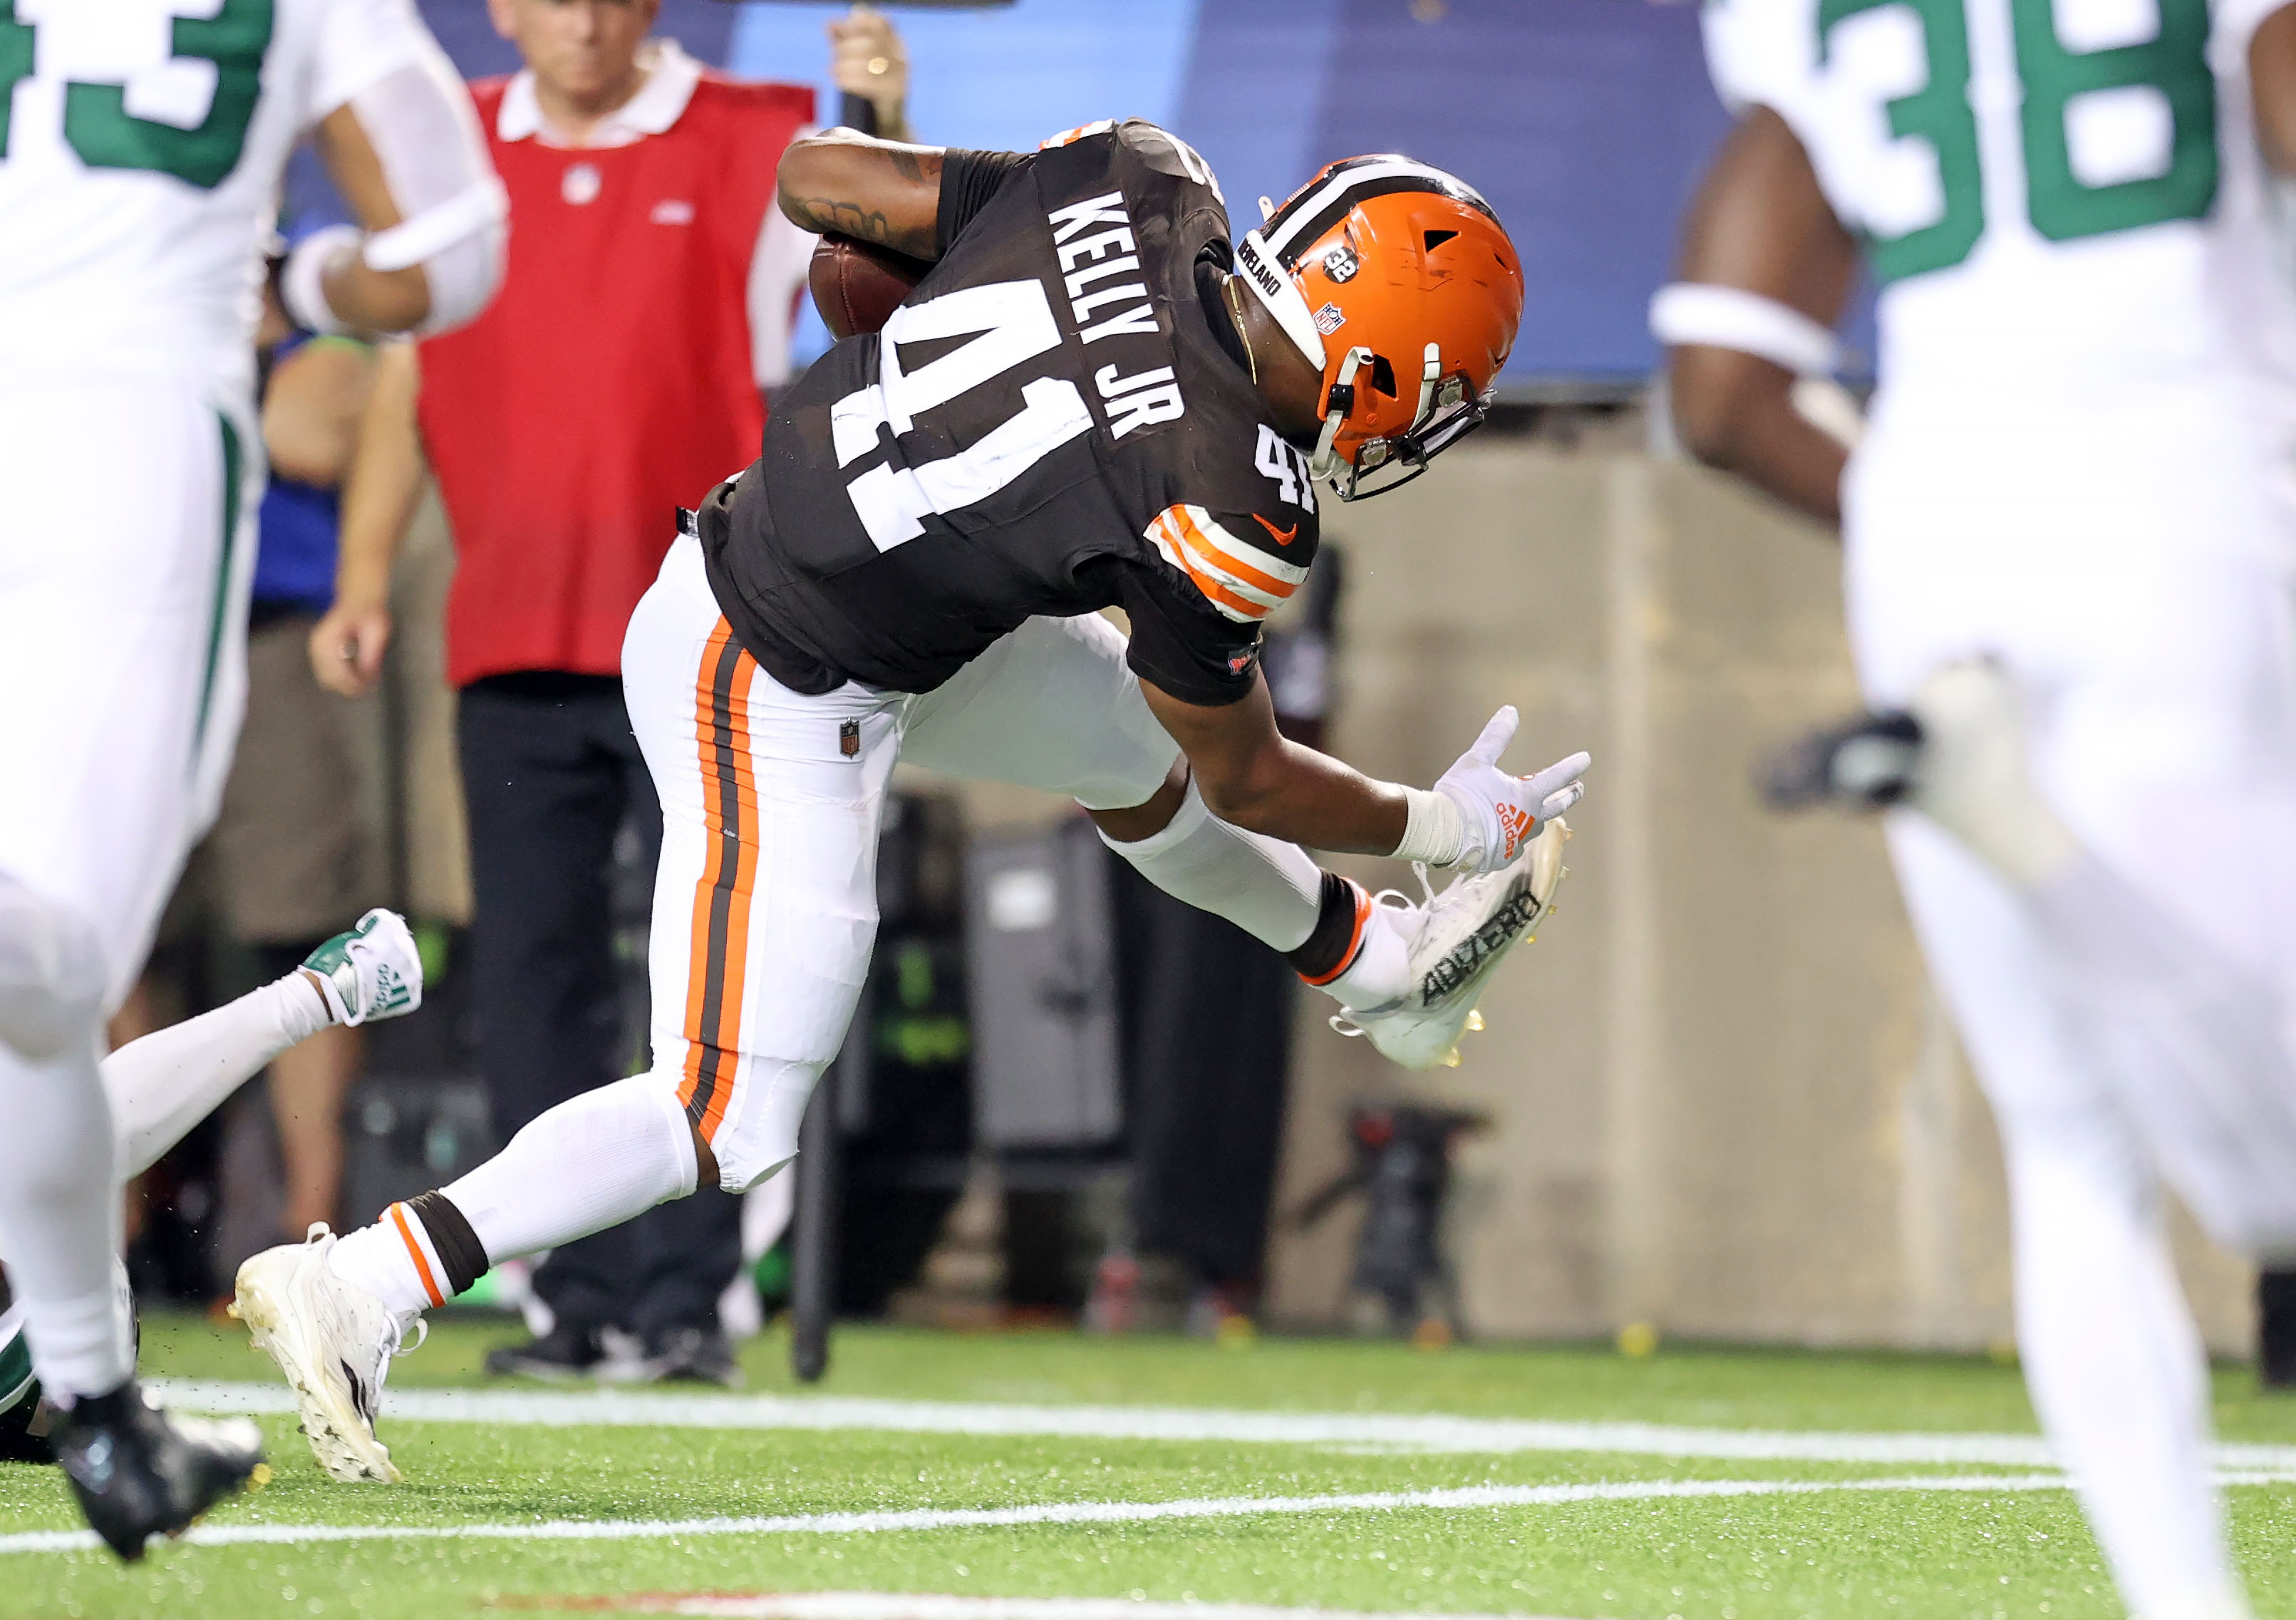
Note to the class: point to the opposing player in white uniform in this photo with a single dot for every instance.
(2068, 531)
(159, 1087)
(140, 160)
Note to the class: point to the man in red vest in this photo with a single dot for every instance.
(620, 374)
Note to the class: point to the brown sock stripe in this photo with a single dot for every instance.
(451, 1234)
(1338, 938)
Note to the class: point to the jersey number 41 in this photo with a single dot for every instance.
(1005, 324)
(99, 127)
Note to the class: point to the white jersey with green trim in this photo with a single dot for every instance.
(141, 143)
(2061, 200)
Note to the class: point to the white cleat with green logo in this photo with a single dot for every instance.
(372, 973)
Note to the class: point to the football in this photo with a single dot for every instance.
(856, 285)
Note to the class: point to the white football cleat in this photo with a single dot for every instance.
(371, 973)
(1461, 935)
(334, 1341)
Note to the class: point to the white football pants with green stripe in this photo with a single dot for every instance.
(2126, 561)
(126, 550)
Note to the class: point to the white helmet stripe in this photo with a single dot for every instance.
(1273, 285)
(1300, 221)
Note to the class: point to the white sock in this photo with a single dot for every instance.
(59, 1218)
(2115, 1368)
(592, 1162)
(163, 1085)
(1380, 973)
(1269, 888)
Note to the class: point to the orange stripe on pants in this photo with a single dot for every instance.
(721, 897)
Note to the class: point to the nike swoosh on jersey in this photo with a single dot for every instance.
(1239, 578)
(1283, 536)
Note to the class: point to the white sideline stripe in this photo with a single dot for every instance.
(1438, 1433)
(1043, 1513)
(934, 1606)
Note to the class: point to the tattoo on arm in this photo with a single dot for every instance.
(876, 193)
(823, 214)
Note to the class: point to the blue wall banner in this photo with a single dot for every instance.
(1585, 122)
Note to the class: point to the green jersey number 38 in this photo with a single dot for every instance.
(2062, 206)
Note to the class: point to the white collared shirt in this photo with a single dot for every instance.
(779, 263)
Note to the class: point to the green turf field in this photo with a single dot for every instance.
(1048, 1467)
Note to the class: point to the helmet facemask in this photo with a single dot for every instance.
(1446, 413)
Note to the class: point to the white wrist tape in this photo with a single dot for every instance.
(301, 284)
(1731, 318)
(1436, 833)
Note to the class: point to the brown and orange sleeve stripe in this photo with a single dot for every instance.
(1243, 581)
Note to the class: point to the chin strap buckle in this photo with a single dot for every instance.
(1430, 377)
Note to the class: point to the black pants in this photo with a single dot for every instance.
(1207, 1014)
(552, 776)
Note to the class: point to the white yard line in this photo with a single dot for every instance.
(1045, 1513)
(1432, 1433)
(933, 1606)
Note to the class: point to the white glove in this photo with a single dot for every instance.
(1479, 818)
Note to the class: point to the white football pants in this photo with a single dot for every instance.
(765, 900)
(2126, 567)
(126, 548)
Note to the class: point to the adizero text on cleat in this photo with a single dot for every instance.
(140, 1472)
(1462, 935)
(369, 973)
(334, 1341)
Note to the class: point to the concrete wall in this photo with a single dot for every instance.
(1728, 1102)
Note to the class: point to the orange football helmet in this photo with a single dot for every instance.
(1401, 286)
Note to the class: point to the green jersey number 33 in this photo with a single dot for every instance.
(2062, 206)
(99, 127)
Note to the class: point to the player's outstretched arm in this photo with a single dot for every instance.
(1477, 818)
(2272, 82)
(1760, 224)
(850, 185)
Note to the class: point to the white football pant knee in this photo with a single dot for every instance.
(52, 973)
(758, 1136)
